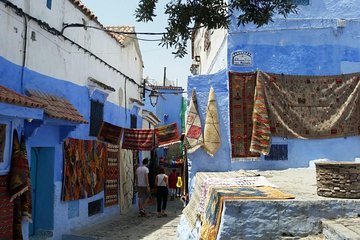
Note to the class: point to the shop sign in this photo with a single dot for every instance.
(242, 58)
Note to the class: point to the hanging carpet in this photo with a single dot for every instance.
(138, 139)
(20, 185)
(84, 168)
(126, 179)
(212, 129)
(112, 175)
(109, 133)
(193, 132)
(261, 136)
(241, 104)
(313, 106)
(167, 135)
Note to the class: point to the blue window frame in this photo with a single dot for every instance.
(48, 4)
(278, 152)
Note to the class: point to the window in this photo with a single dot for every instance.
(95, 207)
(96, 117)
(278, 152)
(2, 142)
(133, 121)
(48, 4)
(301, 2)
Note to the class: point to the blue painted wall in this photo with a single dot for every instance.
(49, 135)
(310, 43)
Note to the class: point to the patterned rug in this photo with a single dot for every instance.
(241, 104)
(112, 175)
(109, 133)
(213, 212)
(20, 185)
(138, 139)
(193, 132)
(191, 211)
(6, 210)
(126, 179)
(313, 106)
(84, 168)
(256, 181)
(212, 138)
(167, 135)
(261, 136)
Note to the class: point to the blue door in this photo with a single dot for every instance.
(42, 182)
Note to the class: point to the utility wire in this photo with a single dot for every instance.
(54, 31)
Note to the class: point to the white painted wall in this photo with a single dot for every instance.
(68, 62)
(214, 58)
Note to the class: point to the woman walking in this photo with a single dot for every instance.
(161, 182)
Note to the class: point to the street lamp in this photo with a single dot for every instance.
(153, 97)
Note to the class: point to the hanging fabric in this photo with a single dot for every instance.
(241, 104)
(84, 168)
(212, 129)
(111, 192)
(193, 132)
(138, 139)
(167, 135)
(313, 107)
(261, 136)
(20, 185)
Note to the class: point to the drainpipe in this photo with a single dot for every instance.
(24, 54)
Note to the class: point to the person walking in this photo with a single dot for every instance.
(172, 184)
(142, 183)
(178, 185)
(161, 182)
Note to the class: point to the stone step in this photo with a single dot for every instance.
(342, 229)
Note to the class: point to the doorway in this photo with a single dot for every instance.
(42, 183)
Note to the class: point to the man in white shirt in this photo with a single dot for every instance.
(142, 183)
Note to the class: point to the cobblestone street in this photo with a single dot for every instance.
(130, 227)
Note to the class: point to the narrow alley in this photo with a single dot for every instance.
(129, 226)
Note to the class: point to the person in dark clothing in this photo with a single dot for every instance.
(172, 184)
(161, 182)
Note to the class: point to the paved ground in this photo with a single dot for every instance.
(131, 227)
(300, 182)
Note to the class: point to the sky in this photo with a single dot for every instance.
(155, 58)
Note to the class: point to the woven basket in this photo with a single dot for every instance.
(338, 179)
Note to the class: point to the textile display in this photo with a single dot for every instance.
(313, 106)
(6, 210)
(218, 195)
(261, 136)
(112, 175)
(229, 182)
(138, 139)
(20, 185)
(241, 104)
(109, 133)
(193, 132)
(191, 211)
(212, 129)
(167, 135)
(126, 179)
(84, 168)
